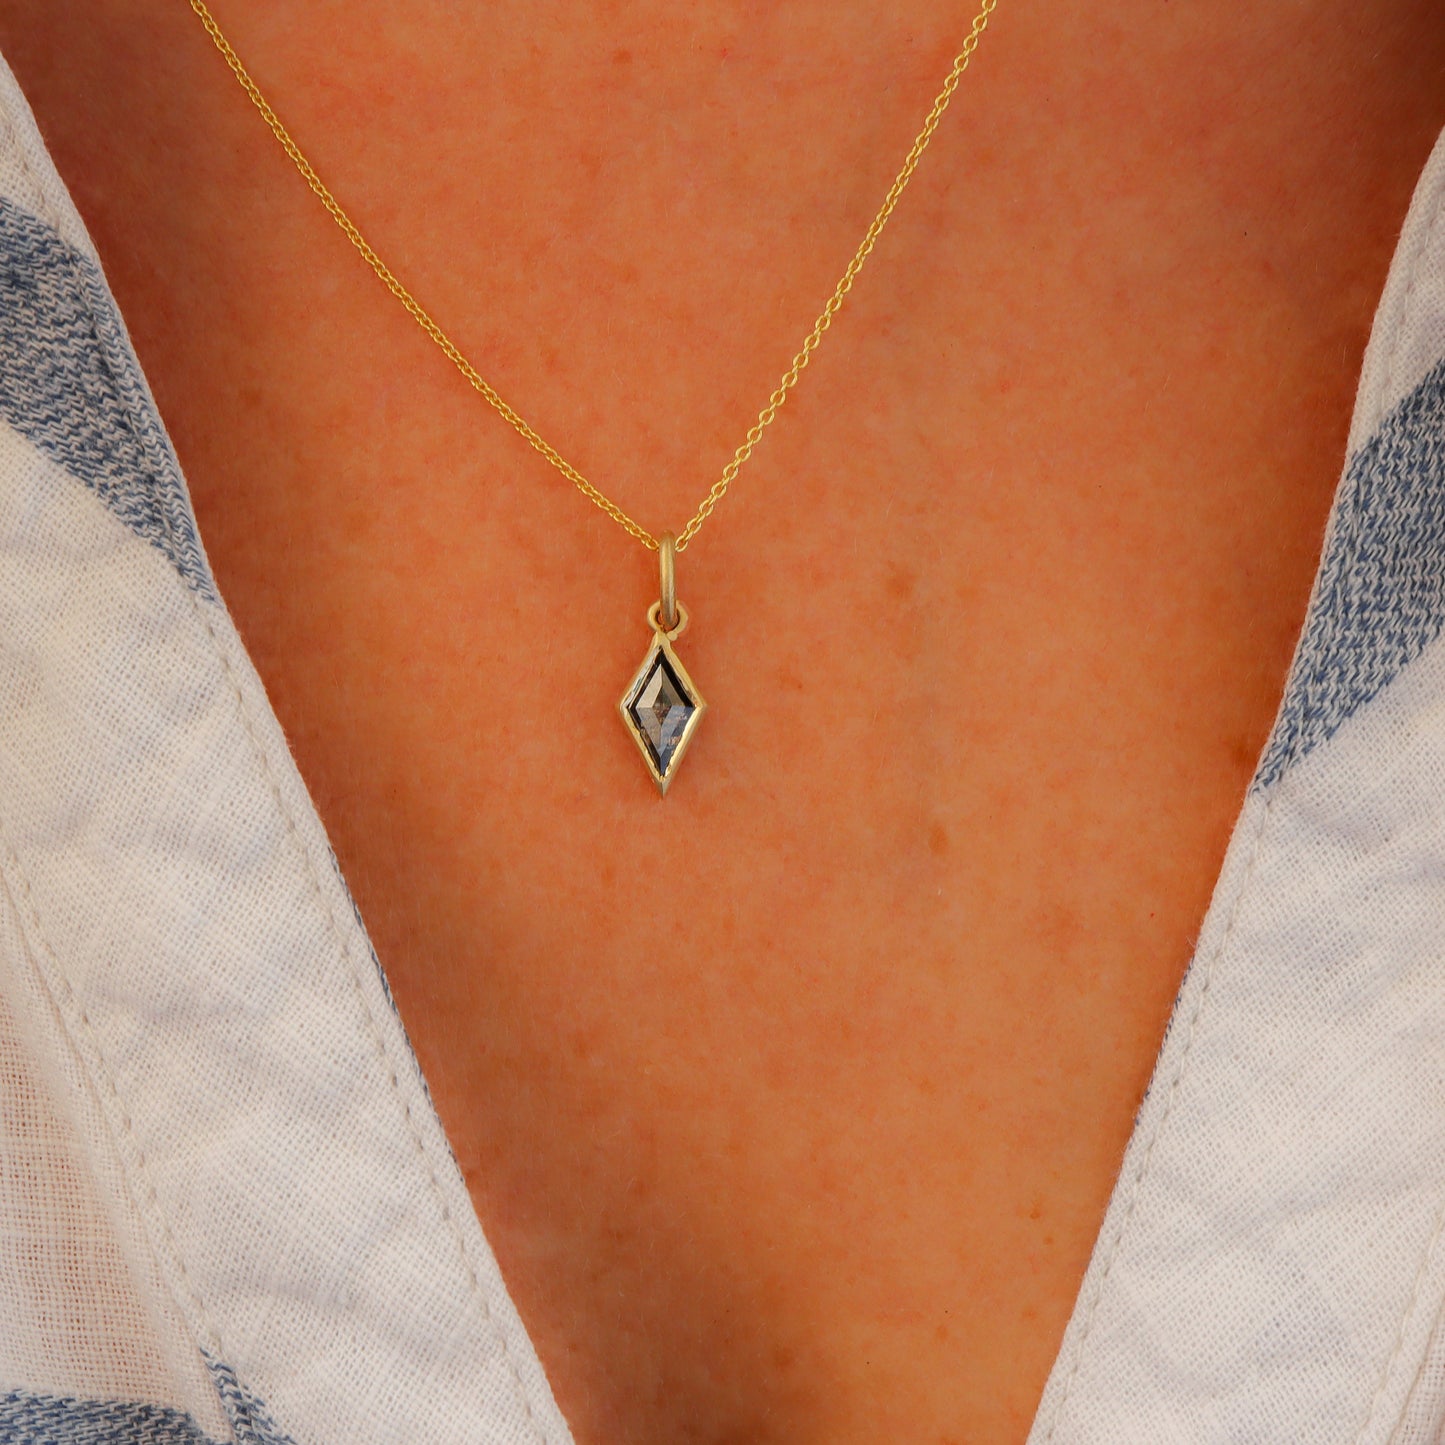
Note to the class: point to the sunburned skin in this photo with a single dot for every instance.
(791, 1104)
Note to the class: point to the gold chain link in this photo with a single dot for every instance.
(489, 393)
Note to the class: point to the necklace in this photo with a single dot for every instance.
(661, 706)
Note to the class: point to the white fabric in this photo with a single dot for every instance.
(1271, 1264)
(1408, 336)
(173, 903)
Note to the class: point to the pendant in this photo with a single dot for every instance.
(661, 707)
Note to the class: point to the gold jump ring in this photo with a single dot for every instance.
(654, 621)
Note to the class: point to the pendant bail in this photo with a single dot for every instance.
(667, 566)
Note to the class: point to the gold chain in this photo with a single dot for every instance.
(489, 393)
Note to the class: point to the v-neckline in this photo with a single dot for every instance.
(336, 1172)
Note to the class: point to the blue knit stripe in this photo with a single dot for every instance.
(249, 1418)
(70, 383)
(1380, 597)
(28, 1418)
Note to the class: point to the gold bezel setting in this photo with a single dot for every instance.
(660, 655)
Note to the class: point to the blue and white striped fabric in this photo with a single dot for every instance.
(227, 1209)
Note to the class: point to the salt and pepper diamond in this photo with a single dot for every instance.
(661, 708)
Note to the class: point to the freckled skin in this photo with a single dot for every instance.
(791, 1105)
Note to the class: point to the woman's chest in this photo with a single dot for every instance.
(790, 1104)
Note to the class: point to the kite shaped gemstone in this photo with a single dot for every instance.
(661, 709)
